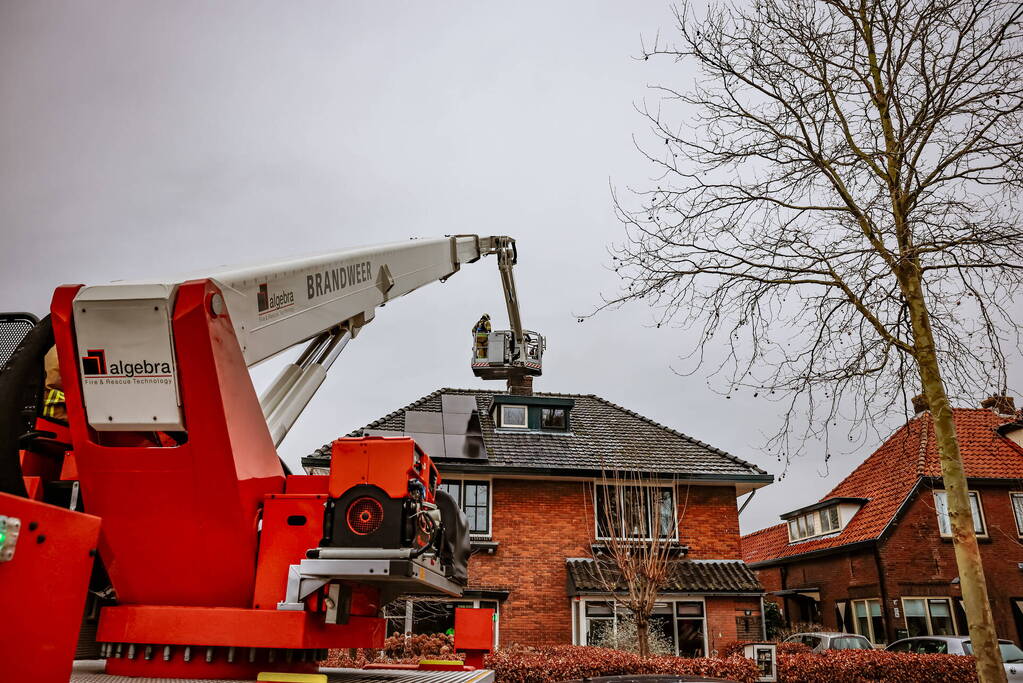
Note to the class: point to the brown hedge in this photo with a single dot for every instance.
(564, 662)
(857, 666)
(734, 647)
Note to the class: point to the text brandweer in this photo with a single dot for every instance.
(338, 278)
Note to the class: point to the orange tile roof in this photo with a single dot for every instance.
(889, 474)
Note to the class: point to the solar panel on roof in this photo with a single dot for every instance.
(457, 403)
(421, 422)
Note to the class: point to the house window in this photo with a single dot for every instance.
(689, 620)
(1017, 511)
(514, 417)
(824, 521)
(868, 622)
(679, 624)
(473, 497)
(828, 519)
(929, 616)
(554, 419)
(600, 621)
(945, 525)
(632, 510)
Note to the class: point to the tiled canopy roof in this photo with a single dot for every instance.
(686, 576)
(888, 476)
(603, 436)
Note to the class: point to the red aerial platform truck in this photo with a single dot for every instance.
(164, 486)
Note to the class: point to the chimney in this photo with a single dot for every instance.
(920, 404)
(521, 385)
(1000, 404)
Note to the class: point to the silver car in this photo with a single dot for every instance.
(818, 641)
(1012, 656)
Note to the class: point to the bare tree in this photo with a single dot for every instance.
(636, 528)
(839, 219)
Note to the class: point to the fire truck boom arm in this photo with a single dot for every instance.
(303, 298)
(325, 298)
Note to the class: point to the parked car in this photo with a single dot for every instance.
(1012, 656)
(819, 641)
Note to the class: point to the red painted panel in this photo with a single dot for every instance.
(474, 629)
(283, 543)
(228, 626)
(306, 483)
(387, 463)
(179, 523)
(44, 590)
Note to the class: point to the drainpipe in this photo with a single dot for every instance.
(889, 621)
(784, 574)
(763, 619)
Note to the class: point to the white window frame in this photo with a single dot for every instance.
(826, 513)
(514, 425)
(927, 612)
(1013, 497)
(660, 485)
(936, 493)
(809, 520)
(580, 625)
(870, 619)
(490, 501)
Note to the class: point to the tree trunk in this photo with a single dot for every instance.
(964, 538)
(643, 635)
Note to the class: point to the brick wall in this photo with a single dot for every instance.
(537, 524)
(916, 561)
(709, 522)
(540, 523)
(727, 620)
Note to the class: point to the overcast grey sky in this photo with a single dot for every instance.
(145, 138)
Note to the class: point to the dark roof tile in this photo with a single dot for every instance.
(604, 436)
(685, 576)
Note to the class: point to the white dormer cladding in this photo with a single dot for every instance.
(821, 519)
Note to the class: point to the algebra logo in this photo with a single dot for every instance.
(268, 302)
(94, 362)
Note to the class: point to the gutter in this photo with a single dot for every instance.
(789, 559)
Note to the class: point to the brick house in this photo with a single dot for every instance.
(874, 556)
(525, 469)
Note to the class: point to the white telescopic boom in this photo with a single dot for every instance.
(273, 307)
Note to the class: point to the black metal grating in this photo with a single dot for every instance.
(13, 328)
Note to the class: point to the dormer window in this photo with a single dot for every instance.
(553, 418)
(535, 414)
(826, 517)
(816, 523)
(514, 417)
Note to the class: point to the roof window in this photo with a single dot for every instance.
(816, 523)
(826, 517)
(514, 417)
(536, 414)
(554, 419)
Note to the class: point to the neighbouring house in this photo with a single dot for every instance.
(526, 468)
(874, 556)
